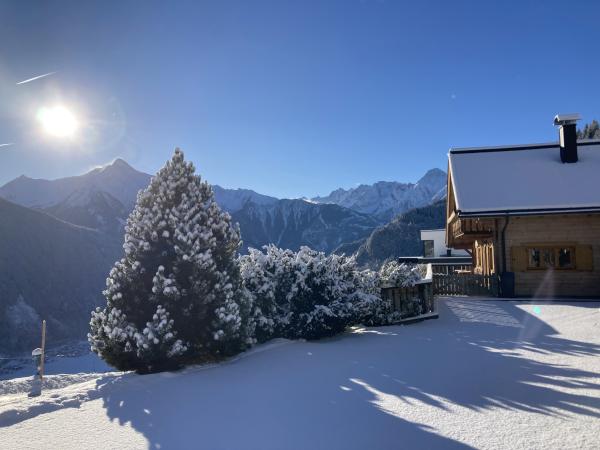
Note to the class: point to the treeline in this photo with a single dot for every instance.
(590, 131)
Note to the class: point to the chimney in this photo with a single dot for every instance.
(567, 135)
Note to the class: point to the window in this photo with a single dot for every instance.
(565, 258)
(534, 258)
(551, 257)
(428, 251)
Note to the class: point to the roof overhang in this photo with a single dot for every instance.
(529, 212)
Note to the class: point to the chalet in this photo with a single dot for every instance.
(530, 214)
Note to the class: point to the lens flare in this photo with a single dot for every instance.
(58, 121)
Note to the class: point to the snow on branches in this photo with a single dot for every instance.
(308, 294)
(176, 295)
(397, 274)
(181, 294)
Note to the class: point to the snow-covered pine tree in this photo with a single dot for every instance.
(176, 296)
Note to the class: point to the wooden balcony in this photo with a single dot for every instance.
(464, 232)
(472, 227)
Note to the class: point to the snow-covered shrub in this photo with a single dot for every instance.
(176, 296)
(377, 310)
(269, 278)
(397, 274)
(304, 294)
(372, 309)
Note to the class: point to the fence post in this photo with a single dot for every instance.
(43, 350)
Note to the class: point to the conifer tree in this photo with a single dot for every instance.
(176, 296)
(590, 131)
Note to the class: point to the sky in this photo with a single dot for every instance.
(289, 98)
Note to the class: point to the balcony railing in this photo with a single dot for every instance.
(471, 227)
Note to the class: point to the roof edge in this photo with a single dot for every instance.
(503, 148)
(509, 148)
(529, 212)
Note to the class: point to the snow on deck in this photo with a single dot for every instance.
(486, 374)
(530, 179)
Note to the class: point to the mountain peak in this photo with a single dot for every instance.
(433, 174)
(118, 163)
(385, 199)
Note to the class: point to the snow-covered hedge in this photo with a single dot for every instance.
(176, 296)
(377, 310)
(304, 294)
(393, 273)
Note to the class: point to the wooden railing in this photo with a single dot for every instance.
(451, 269)
(465, 284)
(461, 227)
(413, 300)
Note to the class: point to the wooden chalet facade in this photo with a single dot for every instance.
(530, 214)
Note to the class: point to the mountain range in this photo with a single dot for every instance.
(386, 199)
(60, 237)
(49, 269)
(103, 198)
(399, 237)
(293, 223)
(117, 179)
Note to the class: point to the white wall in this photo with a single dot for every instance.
(439, 242)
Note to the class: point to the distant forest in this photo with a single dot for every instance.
(590, 131)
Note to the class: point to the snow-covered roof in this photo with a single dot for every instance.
(525, 179)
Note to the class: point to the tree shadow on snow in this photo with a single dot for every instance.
(351, 392)
(287, 398)
(359, 390)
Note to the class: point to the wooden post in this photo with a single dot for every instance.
(43, 350)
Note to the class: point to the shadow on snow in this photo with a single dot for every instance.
(348, 392)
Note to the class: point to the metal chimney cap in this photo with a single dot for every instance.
(566, 119)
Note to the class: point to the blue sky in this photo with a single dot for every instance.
(290, 98)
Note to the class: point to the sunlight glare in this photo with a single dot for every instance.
(58, 121)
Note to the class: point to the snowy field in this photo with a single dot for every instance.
(74, 358)
(486, 374)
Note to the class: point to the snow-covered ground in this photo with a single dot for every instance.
(67, 359)
(486, 374)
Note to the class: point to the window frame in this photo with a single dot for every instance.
(555, 249)
(426, 244)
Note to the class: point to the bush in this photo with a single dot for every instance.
(376, 310)
(176, 296)
(304, 294)
(397, 274)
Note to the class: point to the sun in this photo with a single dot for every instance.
(58, 121)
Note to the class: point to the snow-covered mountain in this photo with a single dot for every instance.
(232, 200)
(92, 208)
(385, 199)
(293, 223)
(399, 237)
(49, 269)
(103, 198)
(118, 179)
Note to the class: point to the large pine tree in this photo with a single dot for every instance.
(176, 296)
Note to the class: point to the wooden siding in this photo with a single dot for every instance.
(581, 231)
